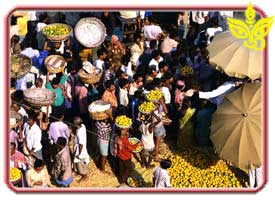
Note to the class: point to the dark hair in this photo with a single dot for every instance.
(123, 82)
(162, 64)
(38, 80)
(156, 82)
(13, 144)
(109, 83)
(108, 65)
(55, 81)
(15, 38)
(32, 115)
(18, 96)
(43, 17)
(165, 163)
(151, 69)
(100, 52)
(61, 141)
(138, 94)
(155, 53)
(153, 44)
(125, 60)
(167, 75)
(119, 73)
(38, 163)
(136, 76)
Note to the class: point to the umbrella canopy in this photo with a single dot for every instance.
(236, 127)
(229, 53)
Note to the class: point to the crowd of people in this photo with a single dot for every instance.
(171, 58)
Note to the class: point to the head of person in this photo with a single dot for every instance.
(101, 54)
(165, 163)
(156, 54)
(55, 83)
(214, 22)
(15, 39)
(109, 66)
(32, 117)
(152, 71)
(39, 82)
(38, 165)
(138, 94)
(78, 121)
(163, 67)
(15, 107)
(18, 96)
(120, 74)
(168, 77)
(12, 148)
(153, 44)
(138, 78)
(180, 84)
(114, 40)
(43, 17)
(110, 86)
(138, 39)
(124, 83)
(125, 60)
(61, 143)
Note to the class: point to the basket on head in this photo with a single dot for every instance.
(89, 78)
(57, 31)
(90, 32)
(37, 97)
(55, 64)
(19, 65)
(98, 110)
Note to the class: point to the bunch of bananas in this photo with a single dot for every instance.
(196, 169)
(15, 174)
(135, 182)
(186, 70)
(123, 121)
(146, 107)
(56, 30)
(154, 95)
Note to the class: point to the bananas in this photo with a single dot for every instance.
(123, 121)
(187, 70)
(56, 30)
(195, 169)
(154, 95)
(15, 174)
(146, 107)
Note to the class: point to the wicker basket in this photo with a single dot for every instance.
(19, 65)
(55, 64)
(37, 97)
(90, 32)
(89, 78)
(99, 115)
(59, 37)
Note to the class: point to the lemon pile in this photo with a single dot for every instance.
(15, 174)
(137, 182)
(154, 95)
(56, 30)
(123, 121)
(146, 107)
(187, 70)
(195, 169)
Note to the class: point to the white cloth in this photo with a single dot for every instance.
(168, 44)
(127, 69)
(128, 14)
(81, 138)
(159, 112)
(147, 138)
(166, 95)
(255, 177)
(198, 16)
(23, 112)
(162, 179)
(33, 137)
(155, 62)
(216, 96)
(211, 32)
(151, 32)
(99, 64)
(123, 97)
(40, 26)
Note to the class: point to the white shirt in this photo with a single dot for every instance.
(162, 179)
(156, 63)
(216, 96)
(127, 69)
(40, 26)
(23, 112)
(211, 32)
(166, 94)
(147, 138)
(198, 16)
(81, 138)
(255, 177)
(99, 64)
(151, 32)
(123, 97)
(33, 137)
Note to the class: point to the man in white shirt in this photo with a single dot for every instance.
(33, 135)
(151, 32)
(161, 178)
(156, 59)
(99, 63)
(123, 92)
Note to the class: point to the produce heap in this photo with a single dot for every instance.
(193, 168)
(146, 107)
(15, 174)
(154, 95)
(56, 30)
(123, 121)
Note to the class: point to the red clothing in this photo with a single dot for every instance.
(125, 149)
(19, 157)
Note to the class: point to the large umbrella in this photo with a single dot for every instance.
(234, 58)
(236, 127)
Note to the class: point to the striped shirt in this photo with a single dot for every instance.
(103, 130)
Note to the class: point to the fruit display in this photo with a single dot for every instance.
(134, 141)
(20, 65)
(146, 107)
(154, 95)
(15, 174)
(123, 122)
(186, 70)
(57, 30)
(193, 168)
(135, 182)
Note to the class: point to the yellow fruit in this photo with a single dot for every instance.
(123, 121)
(154, 95)
(56, 30)
(15, 174)
(146, 107)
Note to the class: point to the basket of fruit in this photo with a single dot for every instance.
(98, 110)
(57, 31)
(90, 32)
(15, 175)
(166, 120)
(55, 64)
(37, 97)
(19, 65)
(134, 141)
(146, 107)
(135, 182)
(187, 71)
(89, 78)
(123, 122)
(154, 95)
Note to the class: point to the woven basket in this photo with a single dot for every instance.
(37, 97)
(89, 78)
(60, 37)
(99, 115)
(90, 32)
(55, 64)
(20, 65)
